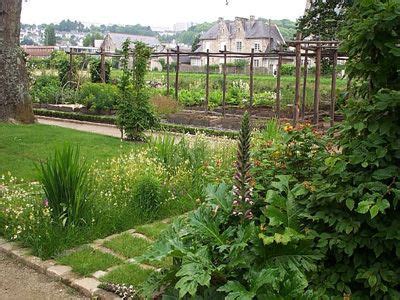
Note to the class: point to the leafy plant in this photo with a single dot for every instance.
(66, 186)
(355, 207)
(98, 96)
(217, 255)
(95, 71)
(135, 115)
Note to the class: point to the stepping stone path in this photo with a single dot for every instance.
(88, 286)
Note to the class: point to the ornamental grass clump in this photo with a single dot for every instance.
(65, 182)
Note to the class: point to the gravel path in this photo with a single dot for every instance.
(103, 129)
(18, 281)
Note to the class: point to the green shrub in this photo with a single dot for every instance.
(46, 89)
(288, 70)
(95, 71)
(99, 96)
(66, 185)
(148, 194)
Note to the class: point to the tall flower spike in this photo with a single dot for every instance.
(242, 180)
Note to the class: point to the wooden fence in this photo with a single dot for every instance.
(297, 50)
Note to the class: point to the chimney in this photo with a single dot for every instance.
(252, 21)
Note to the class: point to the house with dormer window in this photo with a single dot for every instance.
(240, 35)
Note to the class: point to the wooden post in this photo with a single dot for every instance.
(333, 88)
(102, 65)
(224, 83)
(296, 108)
(168, 66)
(303, 100)
(317, 94)
(252, 78)
(278, 85)
(70, 73)
(207, 79)
(177, 74)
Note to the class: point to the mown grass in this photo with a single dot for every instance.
(153, 230)
(87, 261)
(130, 274)
(23, 146)
(128, 245)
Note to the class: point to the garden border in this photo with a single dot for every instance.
(109, 120)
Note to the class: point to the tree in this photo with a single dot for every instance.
(89, 39)
(196, 43)
(15, 102)
(323, 19)
(50, 36)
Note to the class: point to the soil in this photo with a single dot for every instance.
(18, 281)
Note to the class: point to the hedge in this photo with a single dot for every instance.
(111, 120)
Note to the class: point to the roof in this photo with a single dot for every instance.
(38, 51)
(256, 29)
(119, 38)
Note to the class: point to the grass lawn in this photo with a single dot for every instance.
(87, 261)
(128, 245)
(152, 231)
(23, 146)
(129, 274)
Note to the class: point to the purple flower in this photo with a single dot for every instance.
(46, 203)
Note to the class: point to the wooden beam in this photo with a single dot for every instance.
(252, 78)
(207, 80)
(224, 83)
(296, 107)
(102, 65)
(177, 74)
(278, 88)
(333, 88)
(168, 69)
(303, 100)
(317, 93)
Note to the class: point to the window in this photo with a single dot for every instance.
(239, 46)
(257, 47)
(257, 63)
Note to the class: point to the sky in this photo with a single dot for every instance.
(156, 13)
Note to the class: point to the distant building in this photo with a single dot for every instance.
(179, 27)
(39, 51)
(241, 35)
(113, 41)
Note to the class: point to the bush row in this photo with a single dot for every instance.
(111, 120)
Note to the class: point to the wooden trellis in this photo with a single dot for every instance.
(297, 50)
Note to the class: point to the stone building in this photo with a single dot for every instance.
(240, 35)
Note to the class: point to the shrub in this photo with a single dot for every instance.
(99, 96)
(66, 185)
(288, 70)
(46, 89)
(95, 71)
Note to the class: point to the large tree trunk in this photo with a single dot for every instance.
(15, 102)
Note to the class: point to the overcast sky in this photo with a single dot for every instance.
(160, 13)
